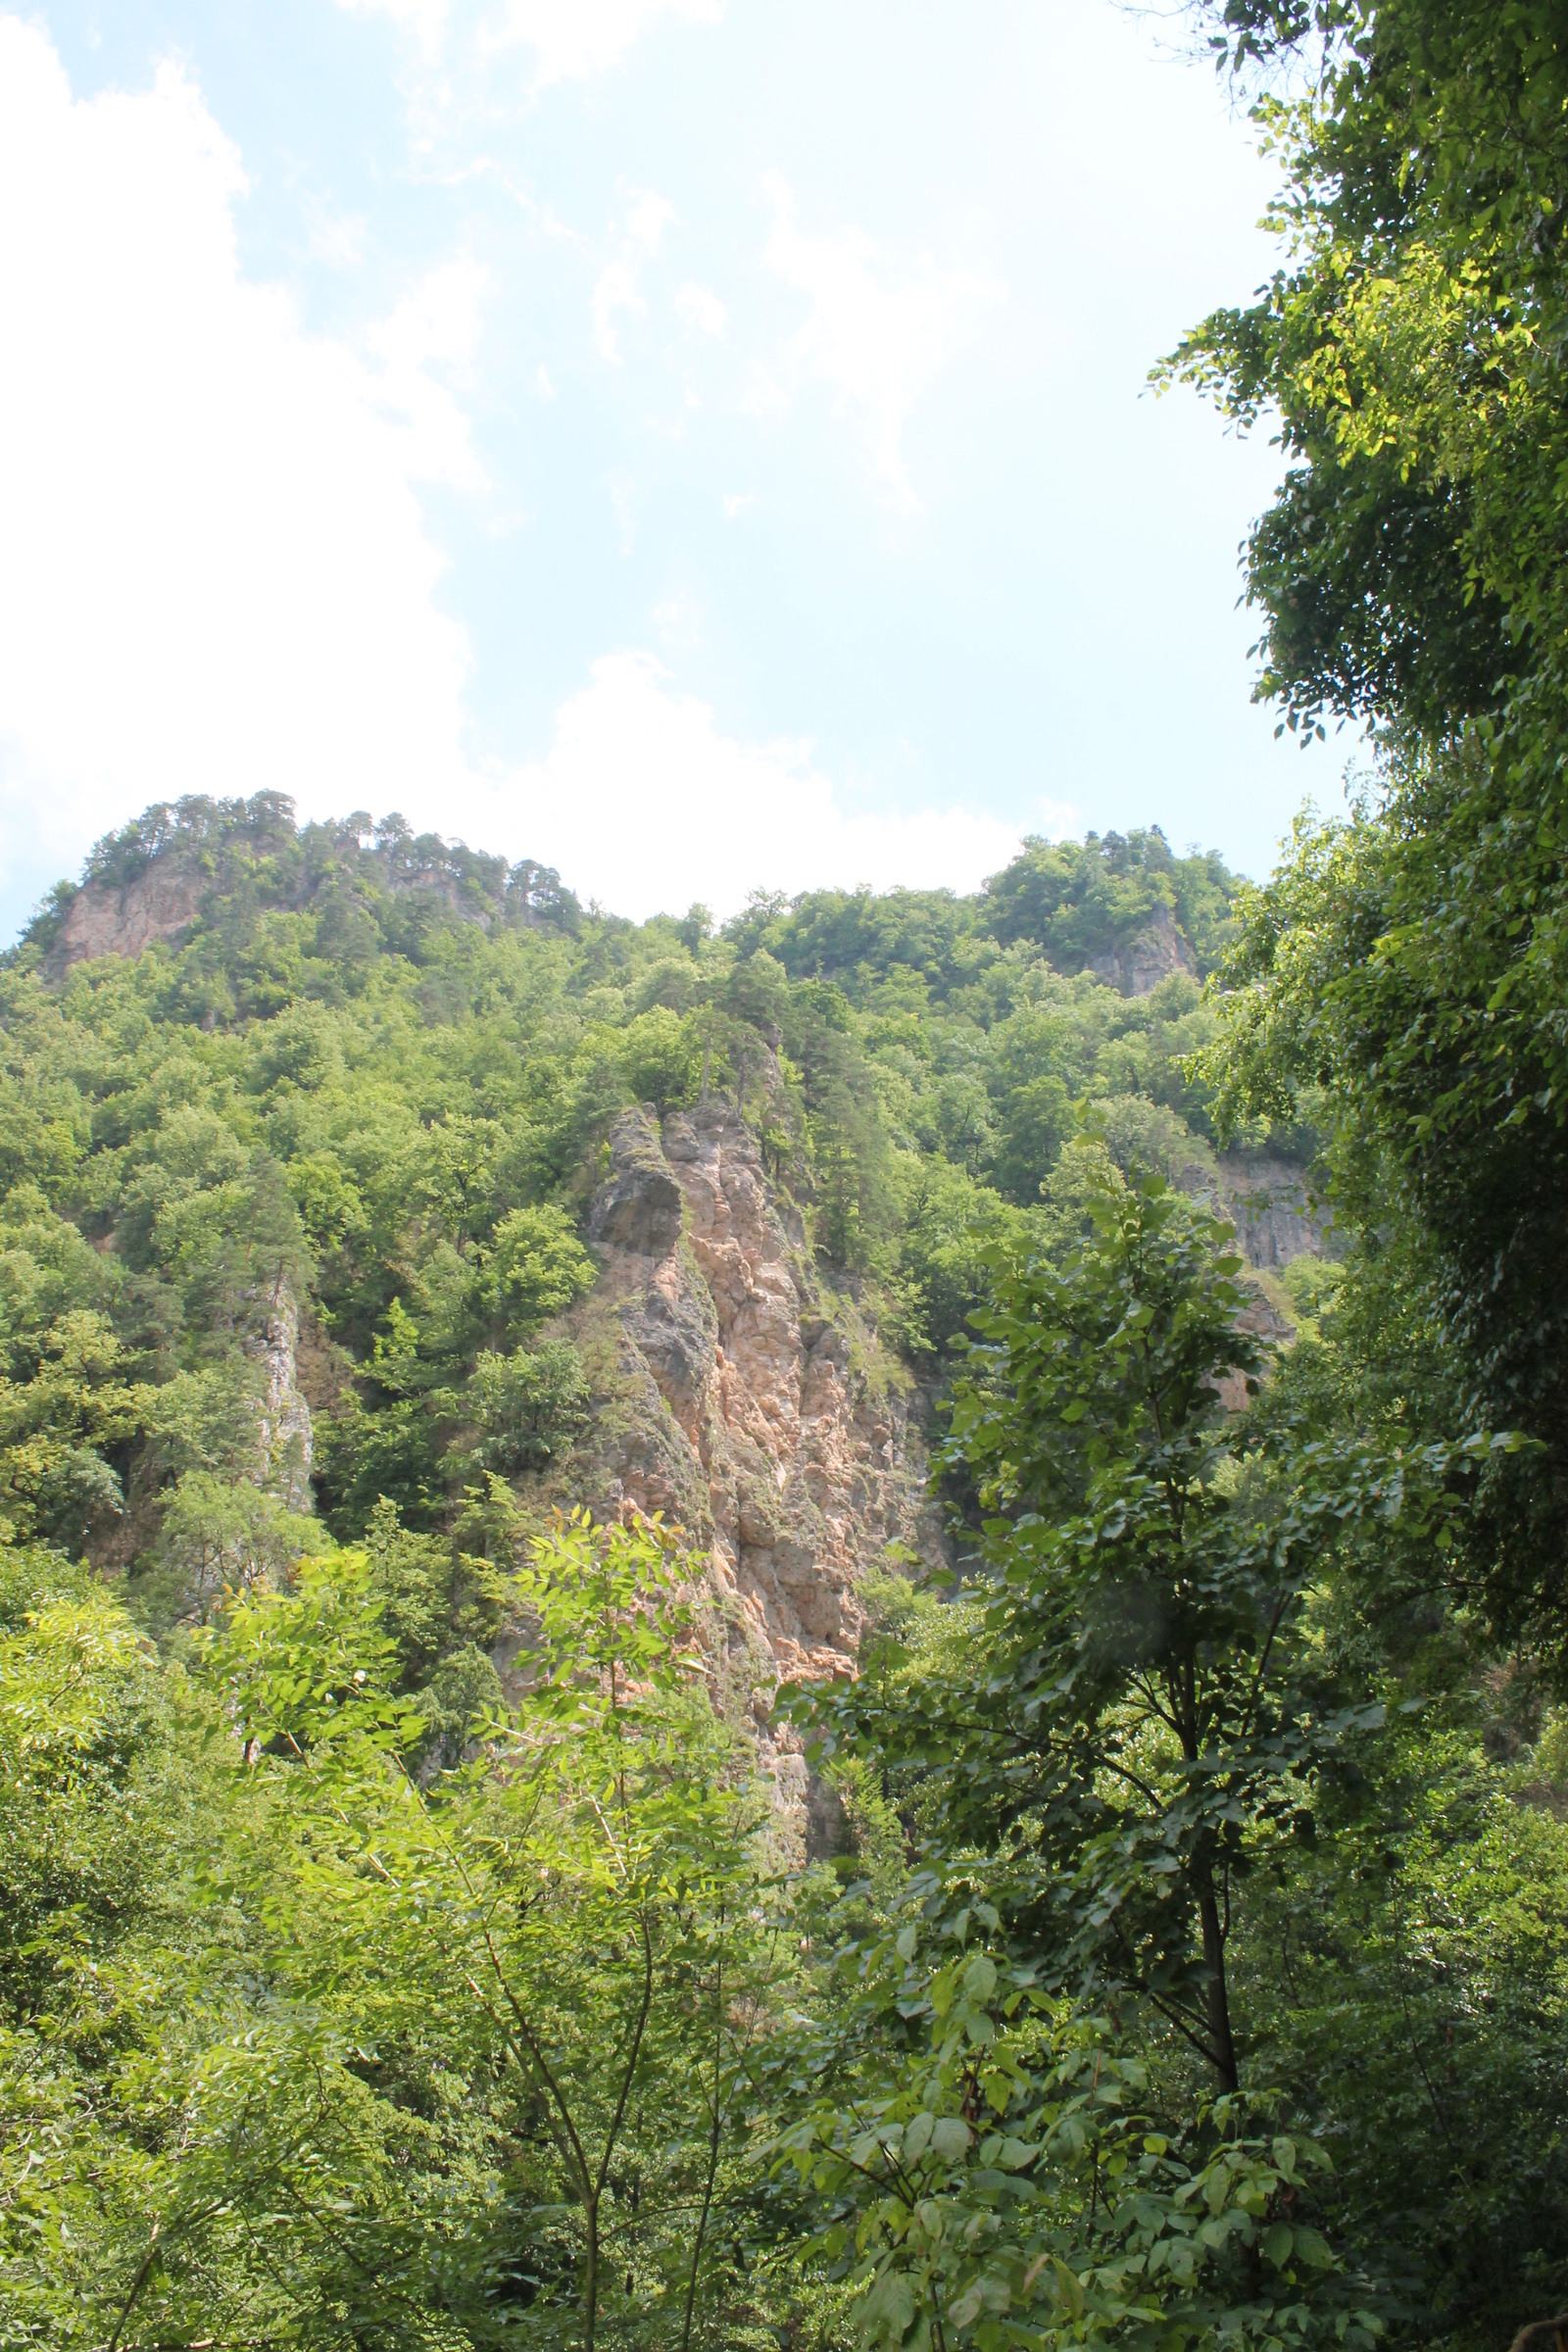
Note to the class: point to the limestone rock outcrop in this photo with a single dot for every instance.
(1266, 1201)
(1137, 965)
(750, 1407)
(100, 920)
(284, 1436)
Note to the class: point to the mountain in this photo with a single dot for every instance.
(353, 1175)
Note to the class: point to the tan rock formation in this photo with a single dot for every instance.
(763, 1414)
(1139, 965)
(101, 920)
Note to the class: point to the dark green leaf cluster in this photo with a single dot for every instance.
(1233, 1851)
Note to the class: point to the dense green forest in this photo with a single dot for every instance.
(402, 1942)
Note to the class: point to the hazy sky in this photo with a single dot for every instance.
(702, 444)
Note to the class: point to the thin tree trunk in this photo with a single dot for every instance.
(590, 2283)
(712, 2156)
(1216, 1995)
(596, 2190)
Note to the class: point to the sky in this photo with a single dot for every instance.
(700, 445)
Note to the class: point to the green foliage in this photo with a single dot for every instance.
(531, 1405)
(580, 1916)
(307, 2025)
(1137, 1704)
(661, 1057)
(218, 1537)
(1407, 1975)
(436, 1597)
(1403, 977)
(370, 1086)
(989, 2173)
(1409, 568)
(536, 1265)
(396, 1953)
(395, 1957)
(1213, 1882)
(1076, 900)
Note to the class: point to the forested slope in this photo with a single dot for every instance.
(329, 1139)
(424, 1924)
(1139, 1922)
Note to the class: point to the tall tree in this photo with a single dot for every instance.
(1404, 973)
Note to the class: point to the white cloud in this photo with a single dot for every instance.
(678, 622)
(438, 325)
(575, 38)
(214, 571)
(648, 215)
(615, 292)
(643, 803)
(336, 238)
(424, 21)
(874, 338)
(460, 58)
(699, 309)
(618, 289)
(625, 497)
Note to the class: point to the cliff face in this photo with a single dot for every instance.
(101, 920)
(1139, 965)
(1266, 1202)
(195, 858)
(750, 1406)
(746, 1403)
(285, 1435)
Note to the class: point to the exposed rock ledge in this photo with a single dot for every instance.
(285, 1440)
(763, 1422)
(1266, 1201)
(100, 920)
(751, 1408)
(1139, 965)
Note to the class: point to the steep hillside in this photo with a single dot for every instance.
(354, 1175)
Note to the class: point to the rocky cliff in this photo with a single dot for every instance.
(738, 1396)
(285, 1435)
(747, 1403)
(176, 867)
(1267, 1202)
(1137, 965)
(102, 920)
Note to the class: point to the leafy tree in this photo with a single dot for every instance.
(1402, 975)
(531, 1405)
(218, 1536)
(56, 1428)
(583, 1914)
(1134, 1710)
(433, 1596)
(662, 1058)
(985, 2169)
(536, 1265)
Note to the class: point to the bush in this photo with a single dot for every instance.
(530, 1405)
